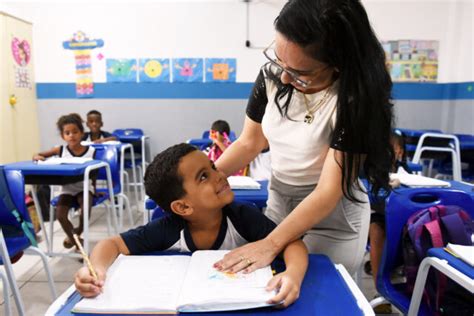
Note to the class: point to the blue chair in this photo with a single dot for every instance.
(400, 206)
(13, 239)
(139, 141)
(109, 155)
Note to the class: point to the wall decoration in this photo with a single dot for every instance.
(82, 45)
(121, 70)
(412, 60)
(221, 69)
(21, 53)
(187, 70)
(154, 70)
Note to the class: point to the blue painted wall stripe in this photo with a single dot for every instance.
(401, 91)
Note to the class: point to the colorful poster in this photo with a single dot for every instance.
(412, 60)
(82, 46)
(187, 70)
(221, 69)
(121, 70)
(21, 52)
(154, 70)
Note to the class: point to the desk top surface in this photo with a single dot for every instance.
(32, 168)
(457, 263)
(323, 292)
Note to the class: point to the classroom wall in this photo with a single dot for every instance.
(154, 28)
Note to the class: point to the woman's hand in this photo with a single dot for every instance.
(87, 285)
(288, 286)
(249, 257)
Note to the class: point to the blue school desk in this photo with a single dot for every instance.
(200, 143)
(61, 174)
(454, 268)
(327, 290)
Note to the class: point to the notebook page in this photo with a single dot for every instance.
(243, 183)
(139, 284)
(206, 289)
(415, 181)
(465, 253)
(68, 160)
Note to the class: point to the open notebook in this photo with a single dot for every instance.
(170, 284)
(243, 183)
(416, 181)
(67, 160)
(465, 253)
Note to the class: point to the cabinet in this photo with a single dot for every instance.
(19, 133)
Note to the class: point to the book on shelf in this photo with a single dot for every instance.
(177, 283)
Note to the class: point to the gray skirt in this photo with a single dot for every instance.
(342, 235)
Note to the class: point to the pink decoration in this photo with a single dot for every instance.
(21, 51)
(100, 56)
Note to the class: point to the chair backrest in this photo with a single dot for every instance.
(110, 155)
(124, 132)
(401, 204)
(16, 191)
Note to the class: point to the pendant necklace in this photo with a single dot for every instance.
(309, 117)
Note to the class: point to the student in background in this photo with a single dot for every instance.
(187, 185)
(377, 219)
(96, 135)
(71, 129)
(219, 133)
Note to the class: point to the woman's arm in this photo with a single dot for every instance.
(314, 208)
(241, 152)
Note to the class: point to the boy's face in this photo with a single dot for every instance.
(94, 122)
(71, 134)
(206, 188)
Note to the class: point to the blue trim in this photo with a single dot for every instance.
(401, 91)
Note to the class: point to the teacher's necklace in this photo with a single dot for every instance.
(309, 117)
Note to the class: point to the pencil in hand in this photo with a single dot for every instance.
(85, 257)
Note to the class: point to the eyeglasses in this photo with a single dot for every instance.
(270, 54)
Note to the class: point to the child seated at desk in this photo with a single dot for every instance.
(96, 135)
(219, 134)
(202, 216)
(71, 130)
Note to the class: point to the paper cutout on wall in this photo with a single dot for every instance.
(82, 45)
(121, 70)
(221, 69)
(412, 60)
(187, 70)
(155, 70)
(21, 53)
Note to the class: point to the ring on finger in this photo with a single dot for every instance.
(249, 262)
(242, 258)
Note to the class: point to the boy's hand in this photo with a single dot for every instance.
(85, 283)
(38, 157)
(288, 286)
(98, 141)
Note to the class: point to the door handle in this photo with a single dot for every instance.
(12, 100)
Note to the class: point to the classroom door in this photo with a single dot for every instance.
(19, 134)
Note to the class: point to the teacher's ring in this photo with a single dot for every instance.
(249, 262)
(242, 258)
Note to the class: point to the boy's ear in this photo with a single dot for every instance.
(181, 208)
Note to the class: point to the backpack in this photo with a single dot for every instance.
(25, 224)
(435, 227)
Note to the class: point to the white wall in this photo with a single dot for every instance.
(159, 28)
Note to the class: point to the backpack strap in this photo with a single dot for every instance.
(456, 229)
(434, 231)
(26, 226)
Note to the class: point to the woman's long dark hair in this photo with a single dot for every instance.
(338, 33)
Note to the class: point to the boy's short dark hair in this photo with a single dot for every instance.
(72, 118)
(94, 112)
(221, 126)
(163, 183)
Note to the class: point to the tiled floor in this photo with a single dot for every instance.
(32, 279)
